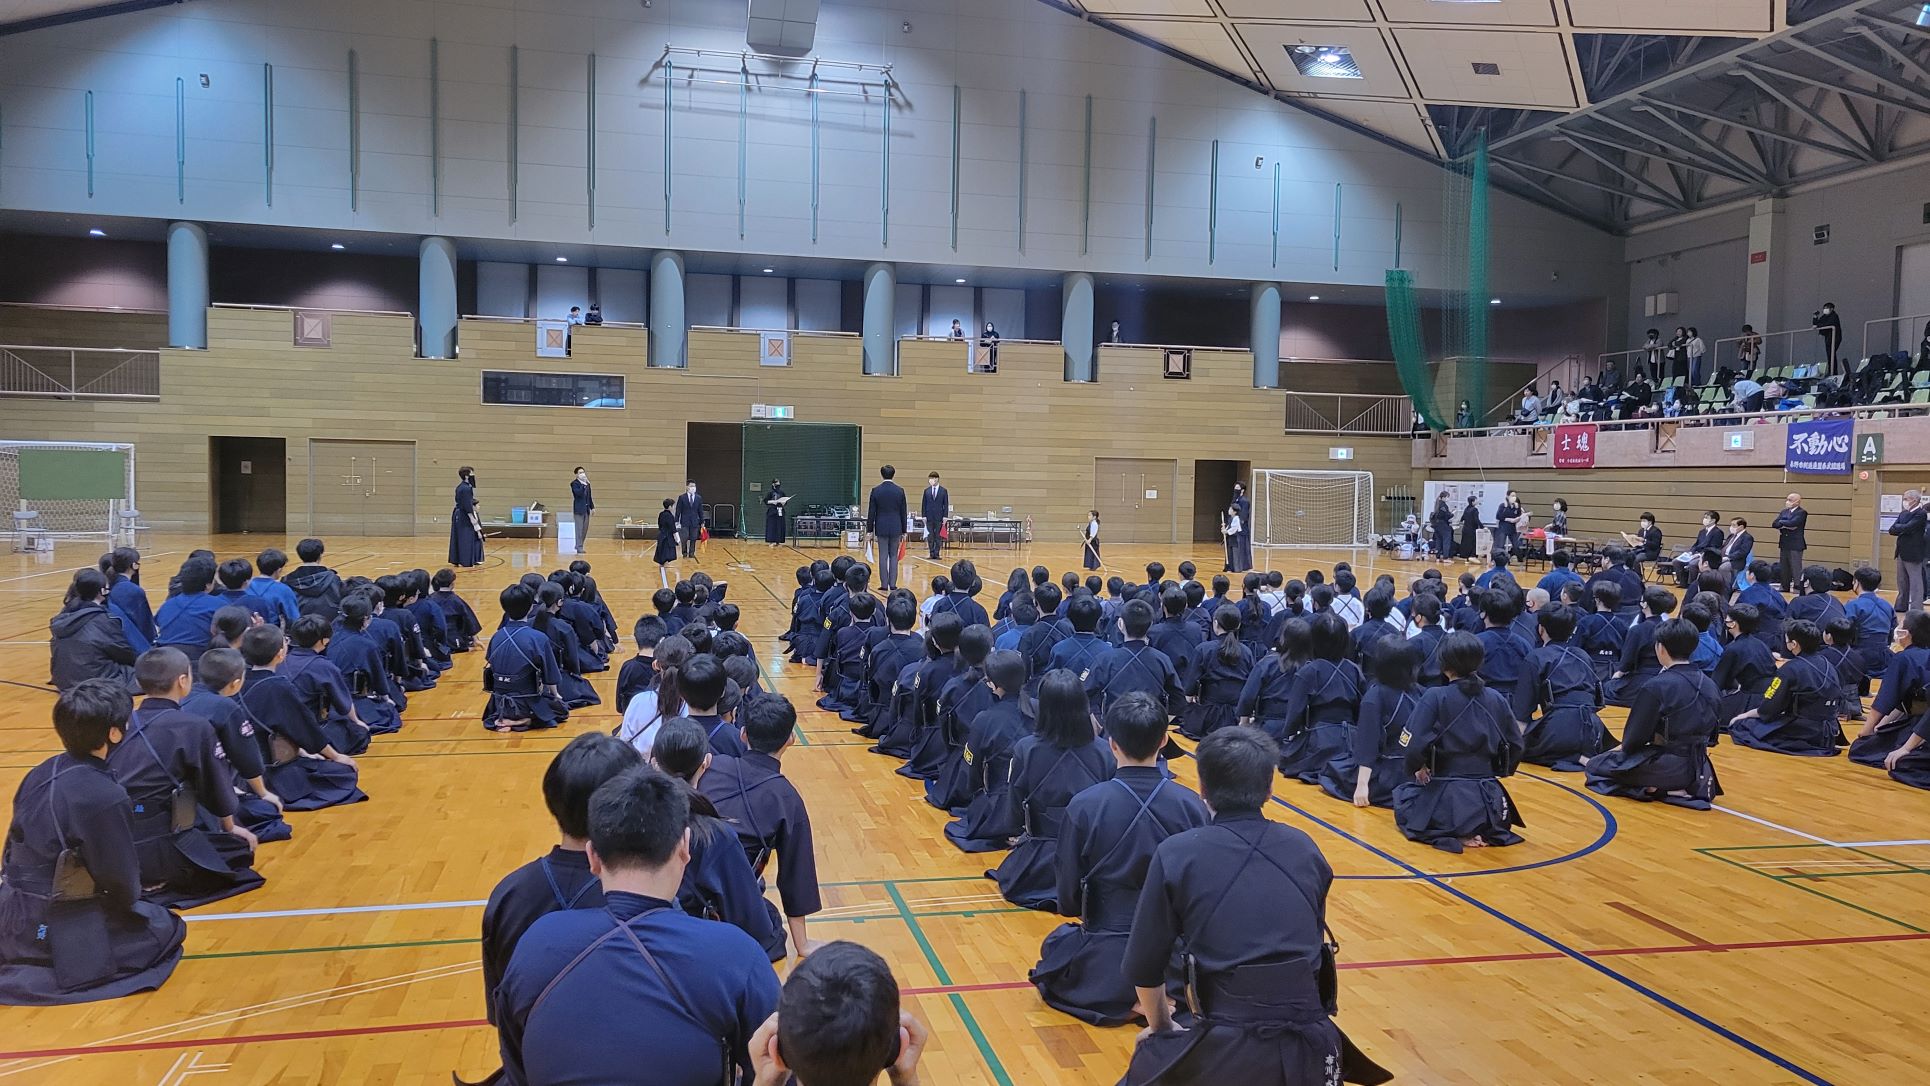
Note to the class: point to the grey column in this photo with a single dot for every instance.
(880, 323)
(1266, 335)
(669, 326)
(1075, 326)
(436, 297)
(187, 285)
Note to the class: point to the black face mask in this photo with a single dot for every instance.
(472, 480)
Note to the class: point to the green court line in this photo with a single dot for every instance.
(1888, 860)
(965, 1016)
(326, 949)
(1795, 881)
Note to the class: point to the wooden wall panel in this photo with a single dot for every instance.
(1022, 437)
(133, 329)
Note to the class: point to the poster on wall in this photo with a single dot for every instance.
(1573, 445)
(1819, 447)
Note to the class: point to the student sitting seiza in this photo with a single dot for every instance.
(1058, 761)
(354, 652)
(73, 927)
(1902, 696)
(322, 685)
(1460, 741)
(456, 612)
(192, 851)
(1110, 832)
(304, 768)
(984, 822)
(753, 795)
(1664, 751)
(521, 674)
(547, 616)
(219, 675)
(1558, 698)
(718, 883)
(1798, 713)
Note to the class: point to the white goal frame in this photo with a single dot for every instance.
(1270, 515)
(110, 520)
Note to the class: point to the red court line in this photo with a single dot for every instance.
(996, 986)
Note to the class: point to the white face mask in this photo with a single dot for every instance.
(691, 490)
(583, 476)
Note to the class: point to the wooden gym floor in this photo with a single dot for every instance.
(1782, 939)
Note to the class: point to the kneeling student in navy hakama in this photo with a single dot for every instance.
(520, 670)
(573, 689)
(966, 696)
(1664, 752)
(1744, 670)
(354, 652)
(1218, 669)
(718, 883)
(456, 612)
(322, 686)
(560, 879)
(753, 795)
(73, 927)
(984, 821)
(1901, 697)
(1637, 664)
(1110, 832)
(1559, 699)
(259, 810)
(638, 989)
(1380, 764)
(1322, 705)
(169, 767)
(928, 744)
(1245, 901)
(1798, 712)
(1059, 760)
(1460, 742)
(304, 769)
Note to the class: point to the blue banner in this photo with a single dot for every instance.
(1820, 447)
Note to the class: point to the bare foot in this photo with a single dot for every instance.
(1475, 842)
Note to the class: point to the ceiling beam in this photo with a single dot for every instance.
(1760, 76)
(1662, 196)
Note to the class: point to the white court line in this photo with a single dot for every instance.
(1777, 826)
(68, 571)
(1880, 844)
(340, 910)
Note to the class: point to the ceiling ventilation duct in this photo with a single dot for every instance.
(785, 27)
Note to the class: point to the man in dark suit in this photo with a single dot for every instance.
(1736, 549)
(1790, 540)
(690, 517)
(1910, 552)
(581, 504)
(935, 506)
(885, 519)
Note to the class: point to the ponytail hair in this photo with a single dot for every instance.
(672, 654)
(1462, 653)
(1227, 621)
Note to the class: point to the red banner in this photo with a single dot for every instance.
(1574, 445)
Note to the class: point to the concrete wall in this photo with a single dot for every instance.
(990, 50)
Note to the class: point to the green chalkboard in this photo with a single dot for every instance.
(72, 474)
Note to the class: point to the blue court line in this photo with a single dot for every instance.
(1610, 828)
(1566, 951)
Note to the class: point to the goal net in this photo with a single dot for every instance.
(74, 489)
(1333, 510)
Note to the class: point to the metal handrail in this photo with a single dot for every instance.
(1786, 338)
(1888, 410)
(973, 338)
(1894, 345)
(1569, 369)
(533, 320)
(756, 331)
(1347, 413)
(83, 308)
(123, 374)
(313, 309)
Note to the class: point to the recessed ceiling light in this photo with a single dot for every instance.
(1313, 297)
(97, 232)
(1494, 301)
(958, 280)
(768, 271)
(1324, 61)
(562, 260)
(1485, 67)
(337, 246)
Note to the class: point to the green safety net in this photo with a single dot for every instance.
(816, 461)
(1458, 373)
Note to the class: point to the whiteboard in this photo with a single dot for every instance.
(1488, 494)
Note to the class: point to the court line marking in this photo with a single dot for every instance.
(336, 910)
(1564, 949)
(1776, 826)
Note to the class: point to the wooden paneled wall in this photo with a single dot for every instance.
(1022, 437)
(33, 327)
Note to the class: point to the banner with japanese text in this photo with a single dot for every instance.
(1574, 445)
(1819, 447)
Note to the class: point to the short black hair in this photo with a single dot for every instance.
(270, 561)
(1608, 595)
(1137, 724)
(901, 612)
(637, 818)
(1084, 613)
(310, 550)
(1805, 634)
(975, 644)
(1395, 662)
(310, 630)
(1560, 559)
(1658, 600)
(702, 681)
(235, 572)
(1557, 622)
(1236, 769)
(1462, 653)
(88, 584)
(863, 606)
(944, 630)
(837, 1017)
(577, 771)
(1680, 637)
(1868, 579)
(1155, 571)
(261, 644)
(218, 668)
(1007, 670)
(159, 668)
(887, 471)
(769, 722)
(516, 601)
(1048, 597)
(1137, 616)
(87, 711)
(648, 631)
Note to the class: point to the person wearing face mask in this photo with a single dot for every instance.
(1709, 538)
(989, 339)
(465, 528)
(581, 504)
(774, 501)
(935, 506)
(73, 927)
(1829, 327)
(690, 517)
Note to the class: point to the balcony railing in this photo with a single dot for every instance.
(74, 373)
(1348, 413)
